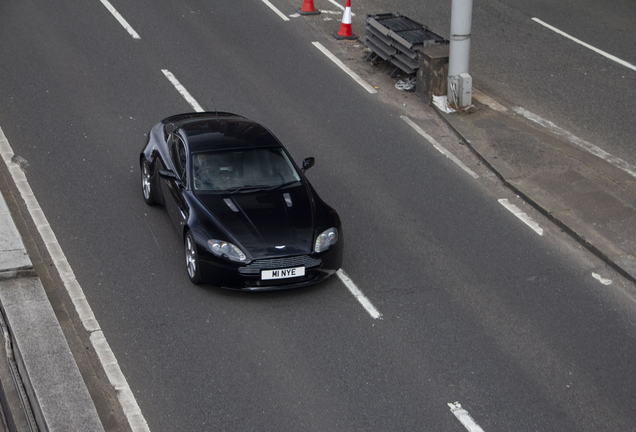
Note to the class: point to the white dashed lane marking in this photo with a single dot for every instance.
(439, 147)
(275, 9)
(364, 301)
(465, 418)
(181, 89)
(345, 68)
(521, 215)
(121, 19)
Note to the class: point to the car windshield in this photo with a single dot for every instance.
(242, 170)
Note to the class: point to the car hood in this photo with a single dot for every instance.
(266, 223)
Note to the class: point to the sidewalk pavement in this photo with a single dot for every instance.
(588, 197)
(40, 383)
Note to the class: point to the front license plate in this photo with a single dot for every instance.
(282, 273)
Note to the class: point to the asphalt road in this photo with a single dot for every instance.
(476, 307)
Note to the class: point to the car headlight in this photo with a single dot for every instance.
(222, 248)
(326, 239)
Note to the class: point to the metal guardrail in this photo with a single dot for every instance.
(395, 38)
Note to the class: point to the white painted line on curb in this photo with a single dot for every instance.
(488, 101)
(439, 147)
(586, 45)
(521, 215)
(589, 147)
(181, 89)
(279, 13)
(358, 295)
(342, 66)
(602, 280)
(465, 418)
(121, 19)
(106, 356)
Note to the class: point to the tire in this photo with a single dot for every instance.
(146, 183)
(192, 259)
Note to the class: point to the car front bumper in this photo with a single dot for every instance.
(225, 274)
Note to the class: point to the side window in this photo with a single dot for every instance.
(178, 155)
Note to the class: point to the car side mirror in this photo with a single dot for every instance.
(308, 163)
(168, 174)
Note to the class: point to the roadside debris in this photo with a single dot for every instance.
(20, 161)
(407, 84)
(441, 102)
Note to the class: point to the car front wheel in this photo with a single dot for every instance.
(192, 259)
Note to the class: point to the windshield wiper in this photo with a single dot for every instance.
(245, 187)
(284, 184)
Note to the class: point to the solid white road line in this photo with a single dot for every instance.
(106, 356)
(589, 147)
(358, 295)
(181, 89)
(345, 68)
(465, 418)
(586, 45)
(439, 147)
(121, 19)
(279, 13)
(521, 215)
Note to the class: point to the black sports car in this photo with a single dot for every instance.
(248, 216)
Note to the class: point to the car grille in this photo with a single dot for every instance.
(269, 264)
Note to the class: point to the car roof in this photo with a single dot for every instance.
(220, 131)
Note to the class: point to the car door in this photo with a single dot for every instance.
(175, 187)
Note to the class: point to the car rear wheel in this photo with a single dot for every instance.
(192, 259)
(146, 183)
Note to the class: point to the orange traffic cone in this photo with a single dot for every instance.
(345, 28)
(308, 8)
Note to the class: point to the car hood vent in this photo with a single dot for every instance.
(265, 219)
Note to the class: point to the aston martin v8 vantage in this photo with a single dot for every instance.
(248, 217)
